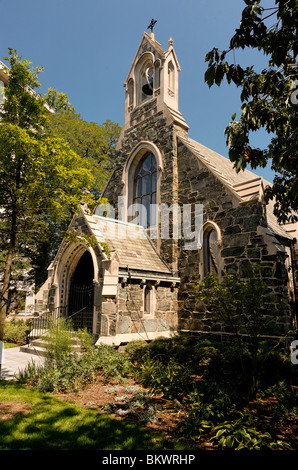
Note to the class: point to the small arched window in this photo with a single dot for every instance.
(157, 74)
(149, 300)
(171, 77)
(211, 253)
(130, 87)
(2, 92)
(145, 183)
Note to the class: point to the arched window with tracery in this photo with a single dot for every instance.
(145, 186)
(211, 253)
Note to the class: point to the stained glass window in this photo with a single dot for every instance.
(145, 183)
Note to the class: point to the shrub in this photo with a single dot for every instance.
(205, 409)
(173, 380)
(287, 398)
(241, 434)
(65, 369)
(16, 331)
(30, 374)
(274, 364)
(241, 306)
(179, 347)
(136, 350)
(207, 356)
(112, 362)
(59, 343)
(160, 349)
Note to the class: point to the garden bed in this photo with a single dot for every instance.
(112, 395)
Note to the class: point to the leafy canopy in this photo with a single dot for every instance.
(41, 177)
(269, 98)
(95, 143)
(39, 173)
(48, 155)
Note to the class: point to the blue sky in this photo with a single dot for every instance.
(86, 49)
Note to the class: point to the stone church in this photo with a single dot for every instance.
(177, 211)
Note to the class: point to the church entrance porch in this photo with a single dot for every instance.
(81, 294)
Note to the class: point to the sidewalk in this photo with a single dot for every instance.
(14, 360)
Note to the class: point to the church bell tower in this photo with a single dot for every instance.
(152, 80)
(146, 172)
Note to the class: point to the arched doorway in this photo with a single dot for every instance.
(81, 294)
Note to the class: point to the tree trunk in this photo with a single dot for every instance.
(7, 277)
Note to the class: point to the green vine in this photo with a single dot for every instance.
(106, 249)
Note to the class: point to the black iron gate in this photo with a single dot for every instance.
(80, 307)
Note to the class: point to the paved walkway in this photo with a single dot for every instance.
(14, 360)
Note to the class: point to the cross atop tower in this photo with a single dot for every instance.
(152, 24)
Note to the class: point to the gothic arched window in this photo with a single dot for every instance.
(145, 182)
(2, 92)
(211, 253)
(171, 77)
(130, 88)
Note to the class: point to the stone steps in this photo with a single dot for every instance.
(38, 346)
(31, 349)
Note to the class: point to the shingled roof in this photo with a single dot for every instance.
(130, 242)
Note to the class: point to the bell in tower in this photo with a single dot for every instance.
(148, 87)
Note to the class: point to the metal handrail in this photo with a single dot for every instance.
(75, 313)
(39, 325)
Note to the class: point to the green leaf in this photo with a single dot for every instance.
(268, 101)
(220, 433)
(219, 74)
(229, 441)
(210, 75)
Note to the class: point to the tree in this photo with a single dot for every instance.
(41, 178)
(96, 145)
(244, 308)
(269, 98)
(88, 139)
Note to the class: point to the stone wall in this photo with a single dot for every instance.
(185, 180)
(108, 314)
(132, 319)
(152, 127)
(243, 244)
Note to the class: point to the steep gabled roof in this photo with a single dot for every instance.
(245, 185)
(130, 242)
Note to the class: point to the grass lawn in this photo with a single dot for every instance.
(31, 420)
(10, 345)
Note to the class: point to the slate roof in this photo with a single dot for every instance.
(130, 242)
(245, 185)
